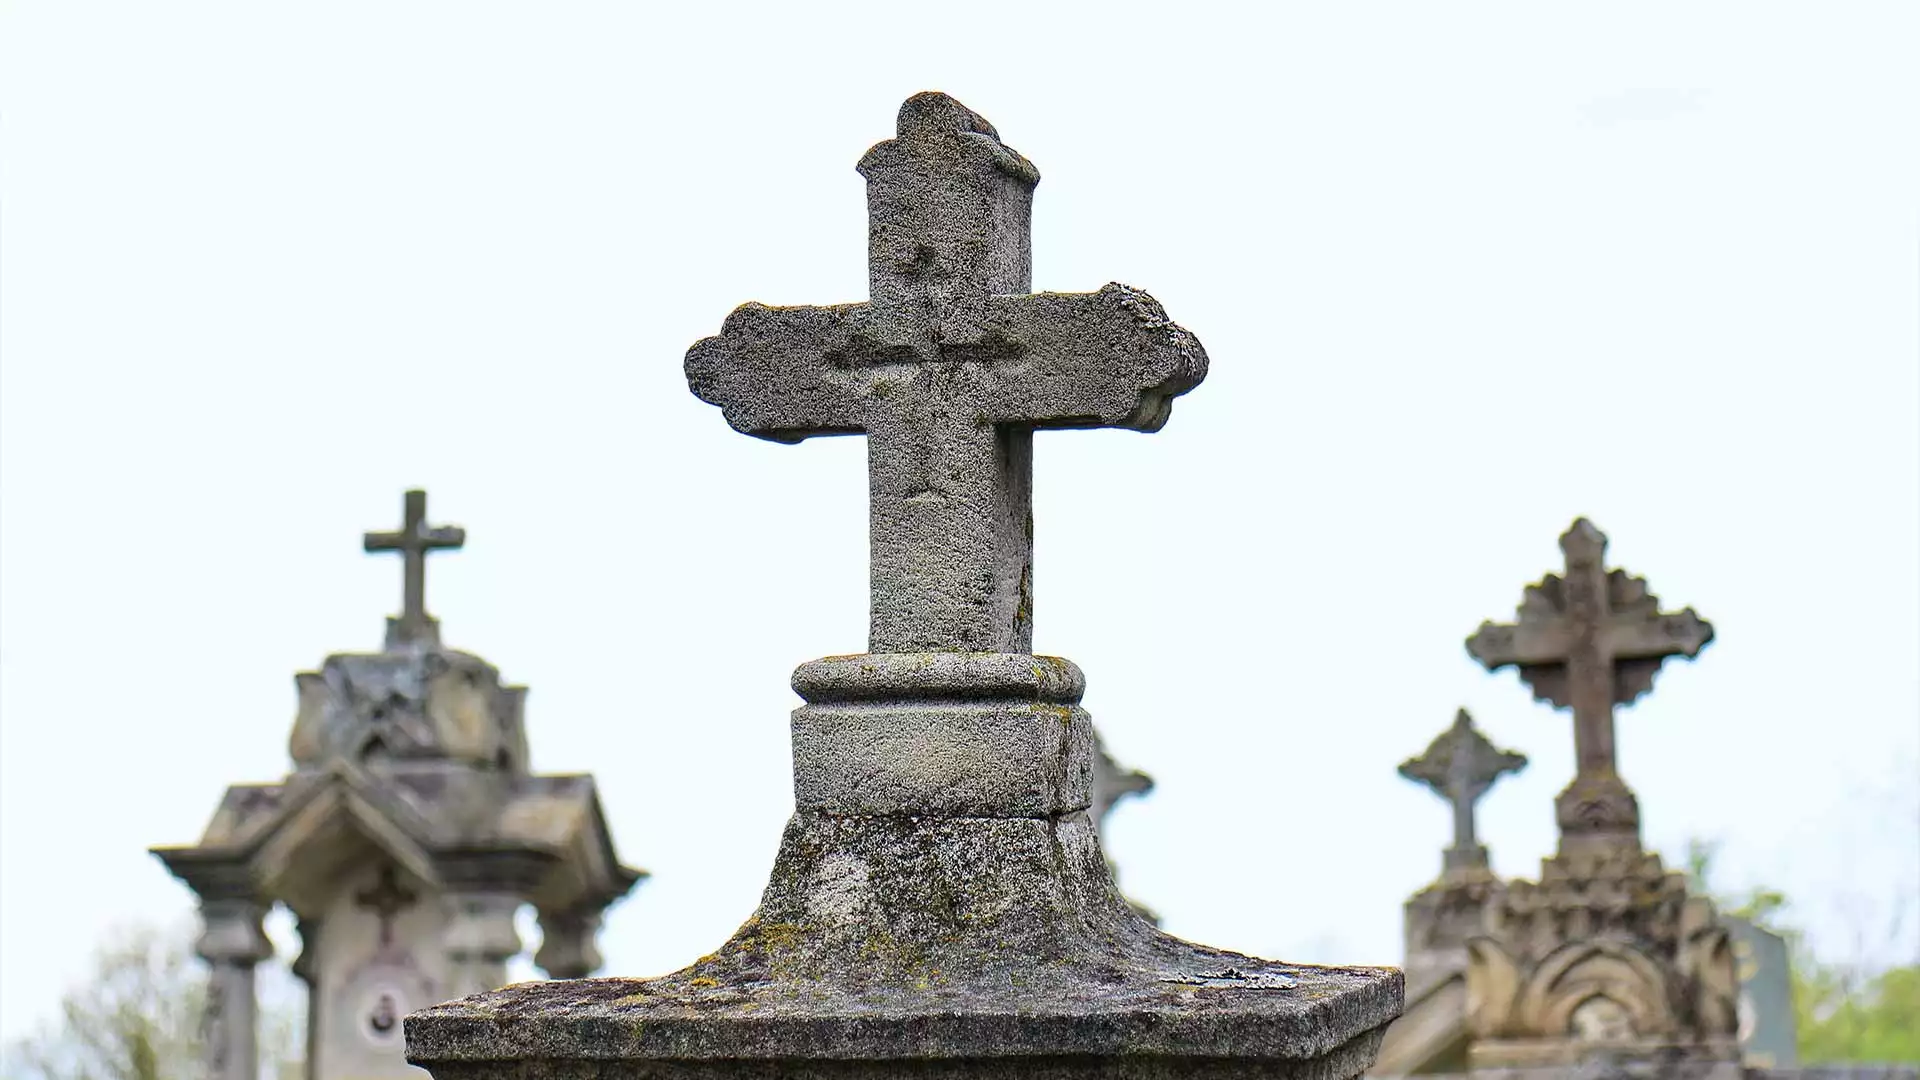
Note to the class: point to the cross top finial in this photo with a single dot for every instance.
(1584, 544)
(948, 369)
(1460, 766)
(414, 542)
(932, 115)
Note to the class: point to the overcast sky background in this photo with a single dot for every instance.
(1464, 271)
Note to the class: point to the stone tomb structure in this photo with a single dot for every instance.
(1431, 1035)
(1607, 956)
(1606, 965)
(939, 905)
(405, 840)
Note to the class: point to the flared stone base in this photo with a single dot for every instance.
(917, 943)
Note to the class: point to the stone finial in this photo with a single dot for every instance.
(1460, 766)
(940, 905)
(415, 541)
(1587, 640)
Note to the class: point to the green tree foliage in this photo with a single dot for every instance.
(1844, 1012)
(137, 1017)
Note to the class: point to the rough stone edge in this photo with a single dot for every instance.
(456, 1032)
(1350, 1059)
(903, 677)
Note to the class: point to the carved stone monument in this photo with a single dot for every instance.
(406, 838)
(1460, 766)
(940, 905)
(1606, 958)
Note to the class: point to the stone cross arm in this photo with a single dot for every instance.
(1109, 358)
(1628, 636)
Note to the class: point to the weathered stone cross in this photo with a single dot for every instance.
(940, 907)
(386, 899)
(1461, 766)
(1588, 640)
(415, 540)
(948, 369)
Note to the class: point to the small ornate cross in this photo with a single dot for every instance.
(386, 899)
(1588, 640)
(415, 540)
(948, 370)
(1460, 766)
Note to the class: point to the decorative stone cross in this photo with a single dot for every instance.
(940, 908)
(948, 370)
(1590, 639)
(386, 899)
(415, 540)
(1461, 766)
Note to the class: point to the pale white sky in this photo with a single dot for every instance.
(1465, 271)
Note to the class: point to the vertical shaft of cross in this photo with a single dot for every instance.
(1589, 657)
(413, 602)
(1463, 796)
(949, 217)
(949, 224)
(951, 548)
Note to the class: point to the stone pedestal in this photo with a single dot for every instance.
(939, 907)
